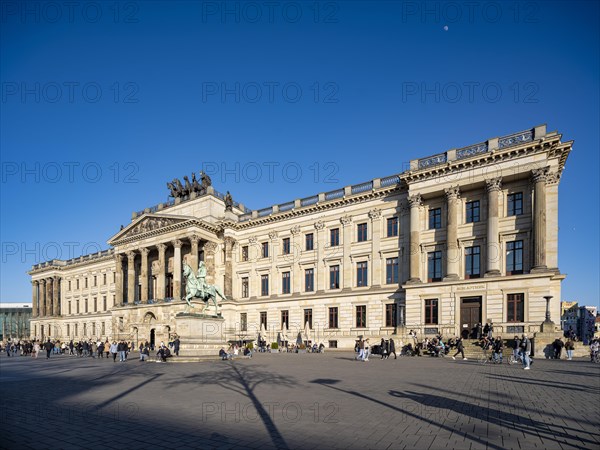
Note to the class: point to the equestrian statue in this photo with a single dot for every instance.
(196, 287)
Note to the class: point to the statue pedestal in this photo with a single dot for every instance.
(200, 334)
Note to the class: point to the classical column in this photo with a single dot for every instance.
(131, 277)
(209, 259)
(176, 269)
(539, 219)
(452, 252)
(42, 297)
(294, 257)
(228, 288)
(274, 280)
(375, 270)
(320, 275)
(119, 279)
(160, 278)
(56, 296)
(34, 298)
(49, 299)
(193, 260)
(493, 186)
(144, 275)
(346, 262)
(415, 203)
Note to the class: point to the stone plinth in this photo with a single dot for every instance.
(200, 334)
(542, 340)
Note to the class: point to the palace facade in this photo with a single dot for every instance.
(465, 236)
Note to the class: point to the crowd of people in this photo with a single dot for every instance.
(87, 348)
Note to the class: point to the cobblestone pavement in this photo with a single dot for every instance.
(298, 401)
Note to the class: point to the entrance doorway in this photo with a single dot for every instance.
(152, 338)
(470, 316)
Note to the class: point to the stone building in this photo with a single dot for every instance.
(465, 236)
(14, 321)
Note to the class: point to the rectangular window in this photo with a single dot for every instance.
(245, 288)
(285, 283)
(333, 344)
(69, 306)
(308, 318)
(361, 273)
(392, 227)
(333, 317)
(263, 319)
(244, 322)
(95, 304)
(77, 284)
(515, 307)
(514, 257)
(390, 315)
(103, 329)
(86, 282)
(77, 306)
(265, 249)
(435, 218)
(264, 285)
(472, 262)
(391, 270)
(94, 329)
(85, 330)
(334, 277)
(434, 266)
(431, 311)
(334, 237)
(86, 305)
(69, 285)
(285, 319)
(361, 316)
(76, 330)
(309, 280)
(95, 279)
(104, 279)
(473, 211)
(104, 303)
(515, 204)
(114, 277)
(245, 253)
(68, 330)
(286, 246)
(310, 244)
(362, 232)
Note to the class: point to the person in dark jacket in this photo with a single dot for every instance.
(392, 349)
(176, 344)
(48, 346)
(460, 348)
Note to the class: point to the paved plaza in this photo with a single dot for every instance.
(299, 401)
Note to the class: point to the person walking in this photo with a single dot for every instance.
(36, 349)
(460, 348)
(382, 349)
(114, 348)
(526, 349)
(486, 330)
(176, 344)
(569, 347)
(392, 349)
(361, 350)
(367, 350)
(48, 346)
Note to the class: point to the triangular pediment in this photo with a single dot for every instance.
(147, 223)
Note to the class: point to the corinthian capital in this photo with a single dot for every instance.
(493, 184)
(319, 225)
(374, 214)
(210, 247)
(346, 220)
(452, 193)
(415, 200)
(538, 175)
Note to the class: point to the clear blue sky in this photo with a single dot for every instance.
(101, 106)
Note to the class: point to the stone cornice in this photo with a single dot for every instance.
(72, 263)
(320, 207)
(550, 144)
